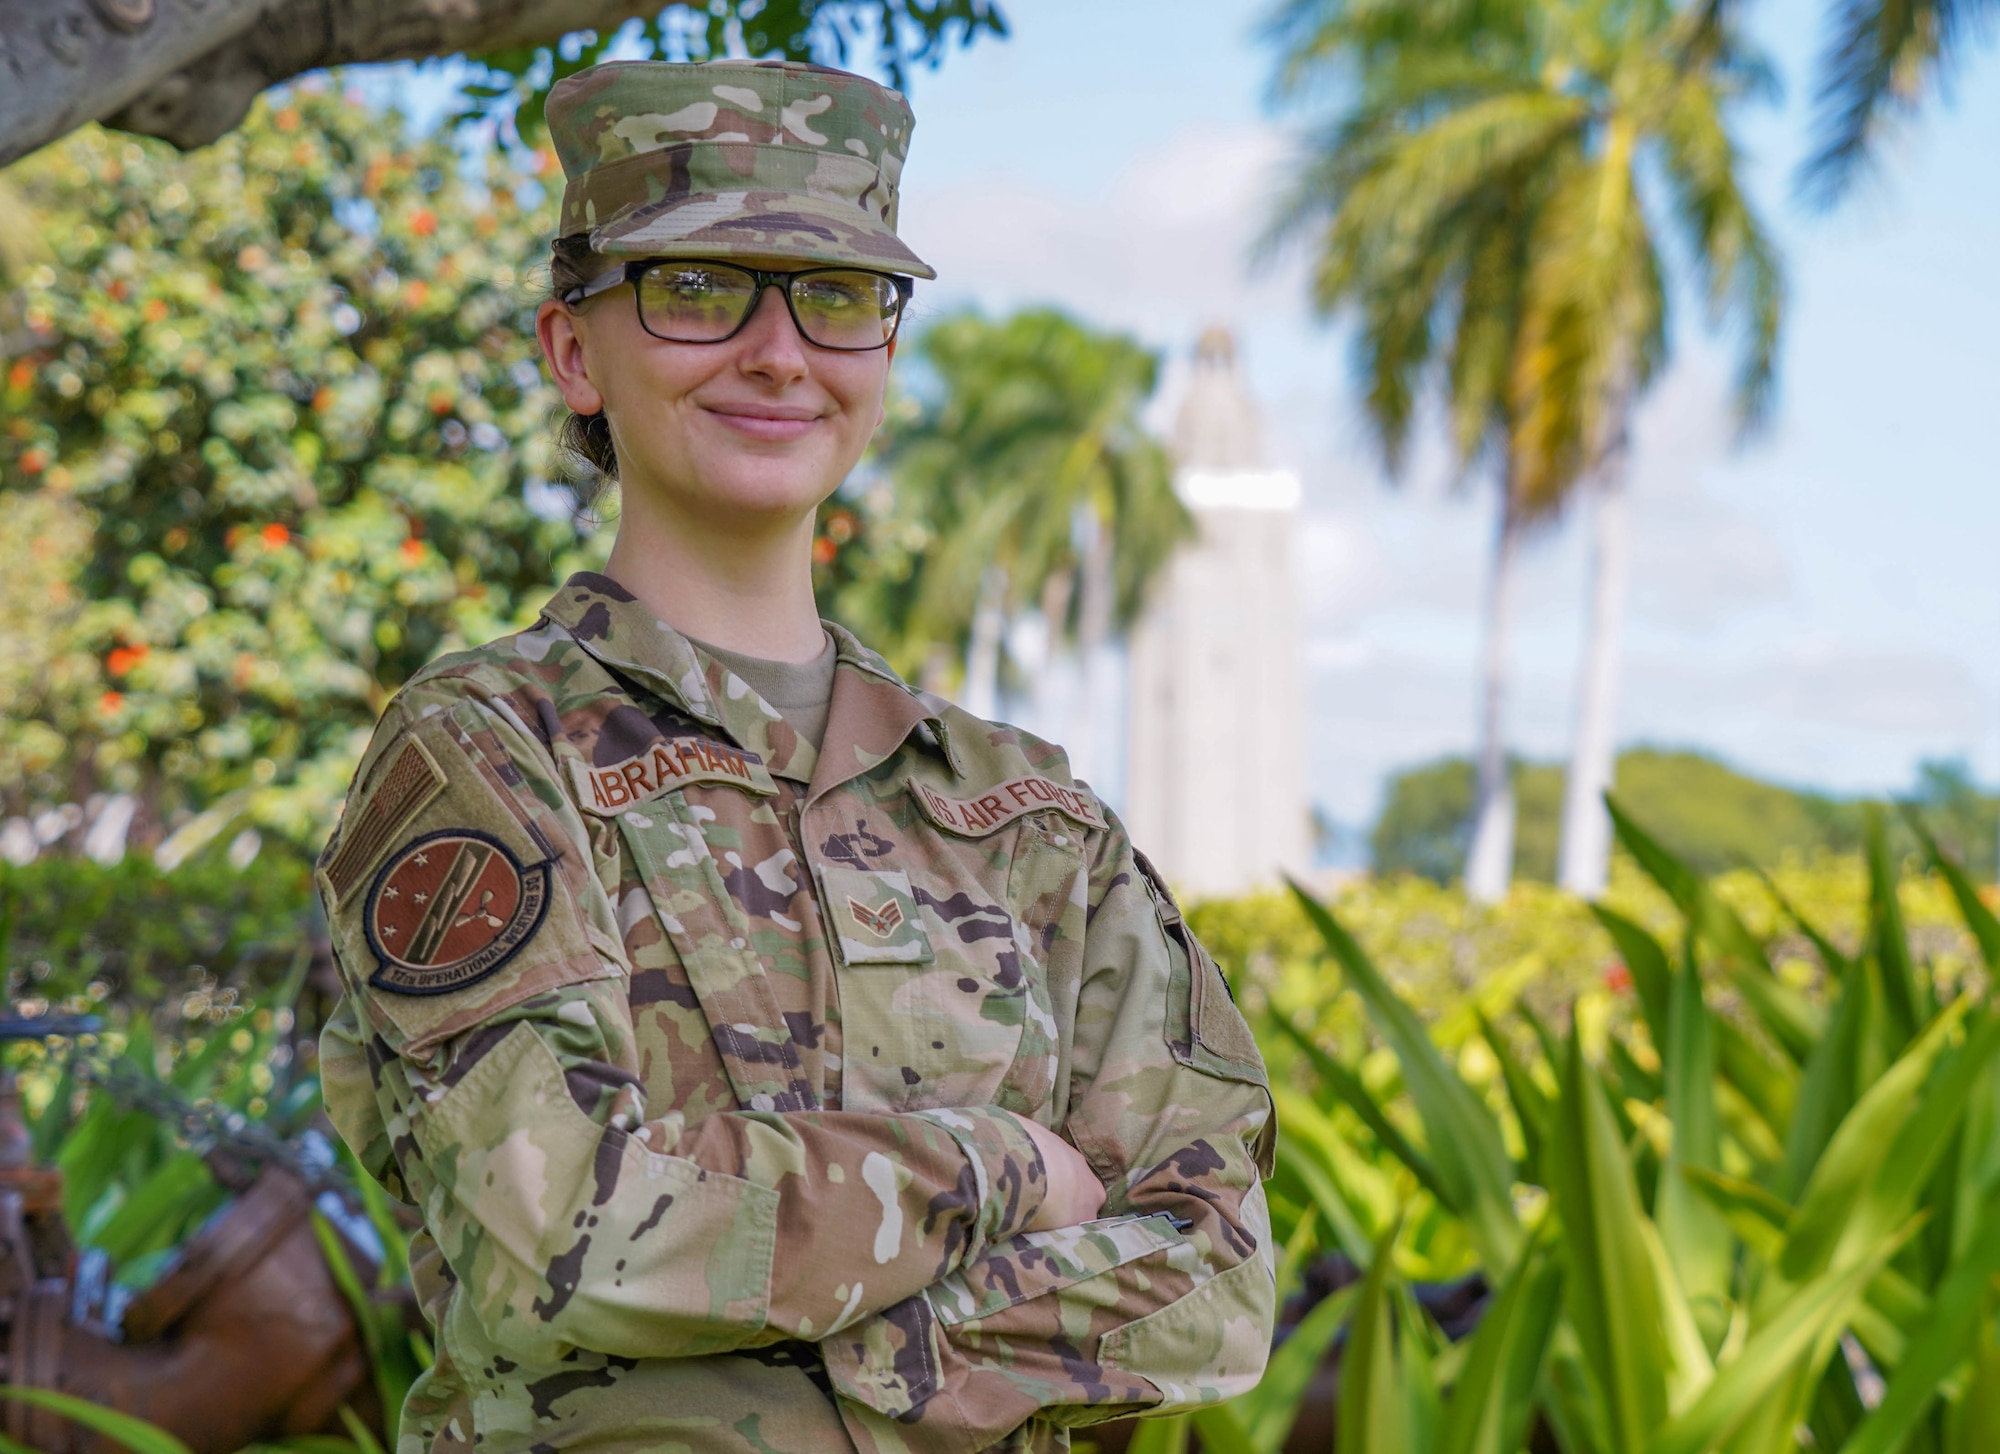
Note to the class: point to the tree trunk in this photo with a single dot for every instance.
(1586, 826)
(1088, 742)
(1490, 864)
(982, 656)
(187, 70)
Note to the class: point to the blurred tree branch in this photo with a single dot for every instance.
(187, 70)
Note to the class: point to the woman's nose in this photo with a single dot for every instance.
(770, 340)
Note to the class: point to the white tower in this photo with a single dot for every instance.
(1215, 777)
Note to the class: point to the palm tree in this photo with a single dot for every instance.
(1480, 200)
(1037, 488)
(1883, 59)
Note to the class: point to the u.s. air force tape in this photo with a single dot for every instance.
(450, 909)
(996, 808)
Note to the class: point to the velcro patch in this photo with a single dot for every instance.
(994, 810)
(412, 780)
(874, 917)
(672, 762)
(449, 910)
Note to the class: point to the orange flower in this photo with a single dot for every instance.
(124, 658)
(413, 551)
(1617, 978)
(34, 461)
(110, 703)
(275, 535)
(440, 403)
(286, 120)
(417, 292)
(424, 222)
(824, 551)
(118, 290)
(323, 400)
(21, 375)
(156, 309)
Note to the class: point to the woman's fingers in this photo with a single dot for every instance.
(1075, 1194)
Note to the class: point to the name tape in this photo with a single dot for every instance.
(672, 763)
(993, 810)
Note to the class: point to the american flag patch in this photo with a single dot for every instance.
(411, 781)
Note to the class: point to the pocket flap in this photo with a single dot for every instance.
(873, 914)
(1035, 1263)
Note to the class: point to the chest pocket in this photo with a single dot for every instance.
(952, 1006)
(711, 934)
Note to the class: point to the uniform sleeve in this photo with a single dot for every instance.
(484, 1068)
(1169, 1301)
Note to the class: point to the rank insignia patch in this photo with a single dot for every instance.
(880, 921)
(450, 909)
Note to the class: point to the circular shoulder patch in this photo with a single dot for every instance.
(448, 910)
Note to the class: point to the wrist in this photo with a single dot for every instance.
(1010, 1176)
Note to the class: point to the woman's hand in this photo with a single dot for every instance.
(1075, 1194)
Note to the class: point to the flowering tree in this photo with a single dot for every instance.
(276, 429)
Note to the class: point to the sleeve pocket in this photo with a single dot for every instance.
(1208, 1346)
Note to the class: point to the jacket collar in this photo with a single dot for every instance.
(872, 714)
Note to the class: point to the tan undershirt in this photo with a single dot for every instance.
(802, 691)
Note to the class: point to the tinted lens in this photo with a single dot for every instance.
(842, 309)
(694, 302)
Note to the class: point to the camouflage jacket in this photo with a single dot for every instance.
(694, 1046)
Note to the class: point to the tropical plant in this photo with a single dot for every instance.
(1477, 201)
(1709, 813)
(85, 68)
(288, 389)
(1751, 1213)
(1026, 467)
(1881, 62)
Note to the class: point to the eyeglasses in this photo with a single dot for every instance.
(850, 309)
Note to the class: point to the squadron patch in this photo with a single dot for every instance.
(992, 811)
(449, 910)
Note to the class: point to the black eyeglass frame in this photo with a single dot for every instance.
(631, 272)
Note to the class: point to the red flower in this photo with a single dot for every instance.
(413, 551)
(824, 551)
(424, 223)
(34, 461)
(1617, 978)
(275, 535)
(110, 703)
(124, 658)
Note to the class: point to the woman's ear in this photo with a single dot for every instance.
(561, 333)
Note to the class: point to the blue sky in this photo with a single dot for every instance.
(1819, 604)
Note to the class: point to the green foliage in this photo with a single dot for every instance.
(122, 1430)
(1709, 814)
(1022, 425)
(287, 385)
(134, 932)
(1691, 1262)
(905, 33)
(1474, 199)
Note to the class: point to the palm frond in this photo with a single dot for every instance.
(1882, 59)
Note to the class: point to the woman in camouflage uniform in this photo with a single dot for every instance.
(782, 1059)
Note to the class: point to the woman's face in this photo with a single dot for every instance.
(760, 427)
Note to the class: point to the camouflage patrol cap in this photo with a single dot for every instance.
(733, 159)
